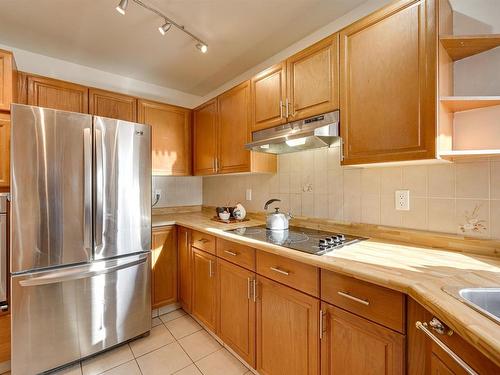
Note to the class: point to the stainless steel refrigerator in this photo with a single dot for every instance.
(80, 235)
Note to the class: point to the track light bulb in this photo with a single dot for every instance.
(122, 6)
(163, 29)
(202, 47)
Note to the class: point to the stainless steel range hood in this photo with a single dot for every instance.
(314, 132)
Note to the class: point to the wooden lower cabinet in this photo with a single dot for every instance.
(287, 330)
(184, 262)
(164, 266)
(204, 300)
(426, 357)
(236, 309)
(4, 338)
(353, 345)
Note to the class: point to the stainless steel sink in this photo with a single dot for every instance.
(484, 300)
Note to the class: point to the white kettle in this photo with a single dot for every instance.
(276, 220)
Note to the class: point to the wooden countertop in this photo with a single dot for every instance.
(418, 271)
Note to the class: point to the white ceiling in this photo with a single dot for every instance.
(240, 34)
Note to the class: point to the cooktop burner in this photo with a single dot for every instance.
(310, 241)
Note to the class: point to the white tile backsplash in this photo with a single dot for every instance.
(178, 191)
(312, 183)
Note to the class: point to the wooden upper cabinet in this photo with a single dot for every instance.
(205, 138)
(8, 80)
(4, 150)
(112, 105)
(268, 96)
(185, 267)
(388, 84)
(55, 94)
(353, 345)
(236, 317)
(234, 130)
(204, 301)
(312, 83)
(287, 330)
(171, 137)
(164, 263)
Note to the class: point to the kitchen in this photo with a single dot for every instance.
(182, 192)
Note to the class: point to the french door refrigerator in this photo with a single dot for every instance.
(80, 235)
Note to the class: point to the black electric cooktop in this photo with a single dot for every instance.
(302, 239)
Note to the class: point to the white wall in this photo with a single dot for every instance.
(334, 26)
(60, 69)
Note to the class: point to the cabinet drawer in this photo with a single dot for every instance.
(235, 253)
(203, 241)
(381, 305)
(289, 272)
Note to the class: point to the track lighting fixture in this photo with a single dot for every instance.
(202, 47)
(122, 6)
(163, 29)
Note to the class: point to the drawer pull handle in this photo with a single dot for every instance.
(423, 327)
(203, 240)
(231, 253)
(356, 299)
(276, 269)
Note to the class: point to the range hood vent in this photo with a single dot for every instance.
(314, 132)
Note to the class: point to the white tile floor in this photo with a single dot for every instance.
(177, 345)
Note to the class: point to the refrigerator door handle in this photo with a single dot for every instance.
(99, 175)
(87, 160)
(81, 272)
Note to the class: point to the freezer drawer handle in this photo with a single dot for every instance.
(80, 273)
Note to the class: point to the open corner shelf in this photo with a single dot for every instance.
(462, 46)
(457, 154)
(465, 103)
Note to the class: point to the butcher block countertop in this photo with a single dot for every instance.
(419, 271)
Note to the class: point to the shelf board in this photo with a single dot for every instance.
(458, 154)
(465, 103)
(462, 46)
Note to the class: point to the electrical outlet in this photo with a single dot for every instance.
(158, 193)
(403, 200)
(248, 195)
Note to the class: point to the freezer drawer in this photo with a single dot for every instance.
(62, 315)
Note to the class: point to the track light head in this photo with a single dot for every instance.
(202, 47)
(163, 29)
(122, 6)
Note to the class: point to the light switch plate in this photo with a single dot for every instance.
(402, 200)
(248, 195)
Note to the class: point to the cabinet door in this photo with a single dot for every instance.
(164, 263)
(287, 330)
(4, 150)
(353, 345)
(205, 138)
(6, 80)
(268, 90)
(5, 338)
(204, 288)
(112, 105)
(171, 137)
(51, 93)
(234, 130)
(438, 367)
(185, 271)
(313, 80)
(388, 85)
(236, 317)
